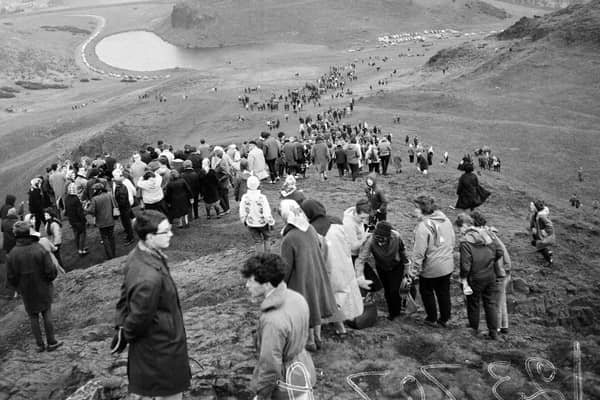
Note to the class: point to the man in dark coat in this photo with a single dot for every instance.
(8, 236)
(271, 148)
(177, 196)
(149, 313)
(37, 201)
(8, 204)
(470, 193)
(101, 207)
(76, 216)
(340, 160)
(30, 271)
(191, 177)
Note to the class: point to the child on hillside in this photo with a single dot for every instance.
(255, 213)
(240, 183)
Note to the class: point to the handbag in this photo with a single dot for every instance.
(369, 316)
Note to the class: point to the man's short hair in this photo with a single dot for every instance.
(426, 204)
(478, 219)
(147, 222)
(265, 268)
(462, 219)
(21, 229)
(363, 207)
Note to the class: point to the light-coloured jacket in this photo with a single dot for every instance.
(255, 211)
(433, 246)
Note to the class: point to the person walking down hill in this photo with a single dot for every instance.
(479, 253)
(53, 228)
(223, 175)
(422, 164)
(339, 263)
(152, 193)
(149, 315)
(38, 200)
(178, 197)
(240, 182)
(372, 158)
(210, 190)
(192, 178)
(30, 271)
(303, 250)
(377, 200)
(353, 157)
(76, 216)
(255, 214)
(282, 330)
(256, 161)
(8, 237)
(385, 153)
(469, 191)
(124, 193)
(433, 259)
(272, 150)
(340, 160)
(101, 207)
(542, 230)
(320, 157)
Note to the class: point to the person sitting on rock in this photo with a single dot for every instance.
(282, 331)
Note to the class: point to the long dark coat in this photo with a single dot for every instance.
(31, 271)
(209, 187)
(177, 196)
(306, 272)
(469, 192)
(150, 314)
(8, 237)
(193, 180)
(74, 212)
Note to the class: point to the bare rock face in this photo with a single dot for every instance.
(187, 17)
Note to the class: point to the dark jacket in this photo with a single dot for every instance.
(121, 195)
(470, 194)
(8, 204)
(340, 156)
(177, 196)
(150, 314)
(101, 207)
(37, 203)
(30, 270)
(196, 159)
(478, 255)
(209, 187)
(375, 196)
(9, 240)
(74, 212)
(193, 180)
(271, 148)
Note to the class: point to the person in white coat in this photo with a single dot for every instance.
(256, 161)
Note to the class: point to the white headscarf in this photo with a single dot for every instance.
(293, 214)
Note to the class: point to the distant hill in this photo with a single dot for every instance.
(195, 23)
(546, 3)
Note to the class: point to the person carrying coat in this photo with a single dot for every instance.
(470, 193)
(303, 250)
(149, 315)
(542, 230)
(282, 331)
(30, 271)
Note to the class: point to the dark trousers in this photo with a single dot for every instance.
(194, 209)
(385, 162)
(341, 168)
(411, 158)
(48, 327)
(272, 169)
(57, 255)
(224, 198)
(354, 171)
(432, 288)
(80, 236)
(391, 281)
(158, 206)
(488, 291)
(108, 239)
(280, 167)
(291, 169)
(374, 167)
(126, 222)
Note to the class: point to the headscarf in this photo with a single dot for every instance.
(253, 182)
(289, 186)
(316, 213)
(292, 214)
(206, 165)
(35, 183)
(72, 189)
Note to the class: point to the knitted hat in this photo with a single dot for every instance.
(253, 182)
(21, 229)
(383, 229)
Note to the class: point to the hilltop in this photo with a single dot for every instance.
(213, 23)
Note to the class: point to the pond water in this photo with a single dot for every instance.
(145, 51)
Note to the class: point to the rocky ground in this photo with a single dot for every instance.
(532, 99)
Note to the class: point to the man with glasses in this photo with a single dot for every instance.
(149, 315)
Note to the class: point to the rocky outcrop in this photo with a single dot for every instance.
(187, 17)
